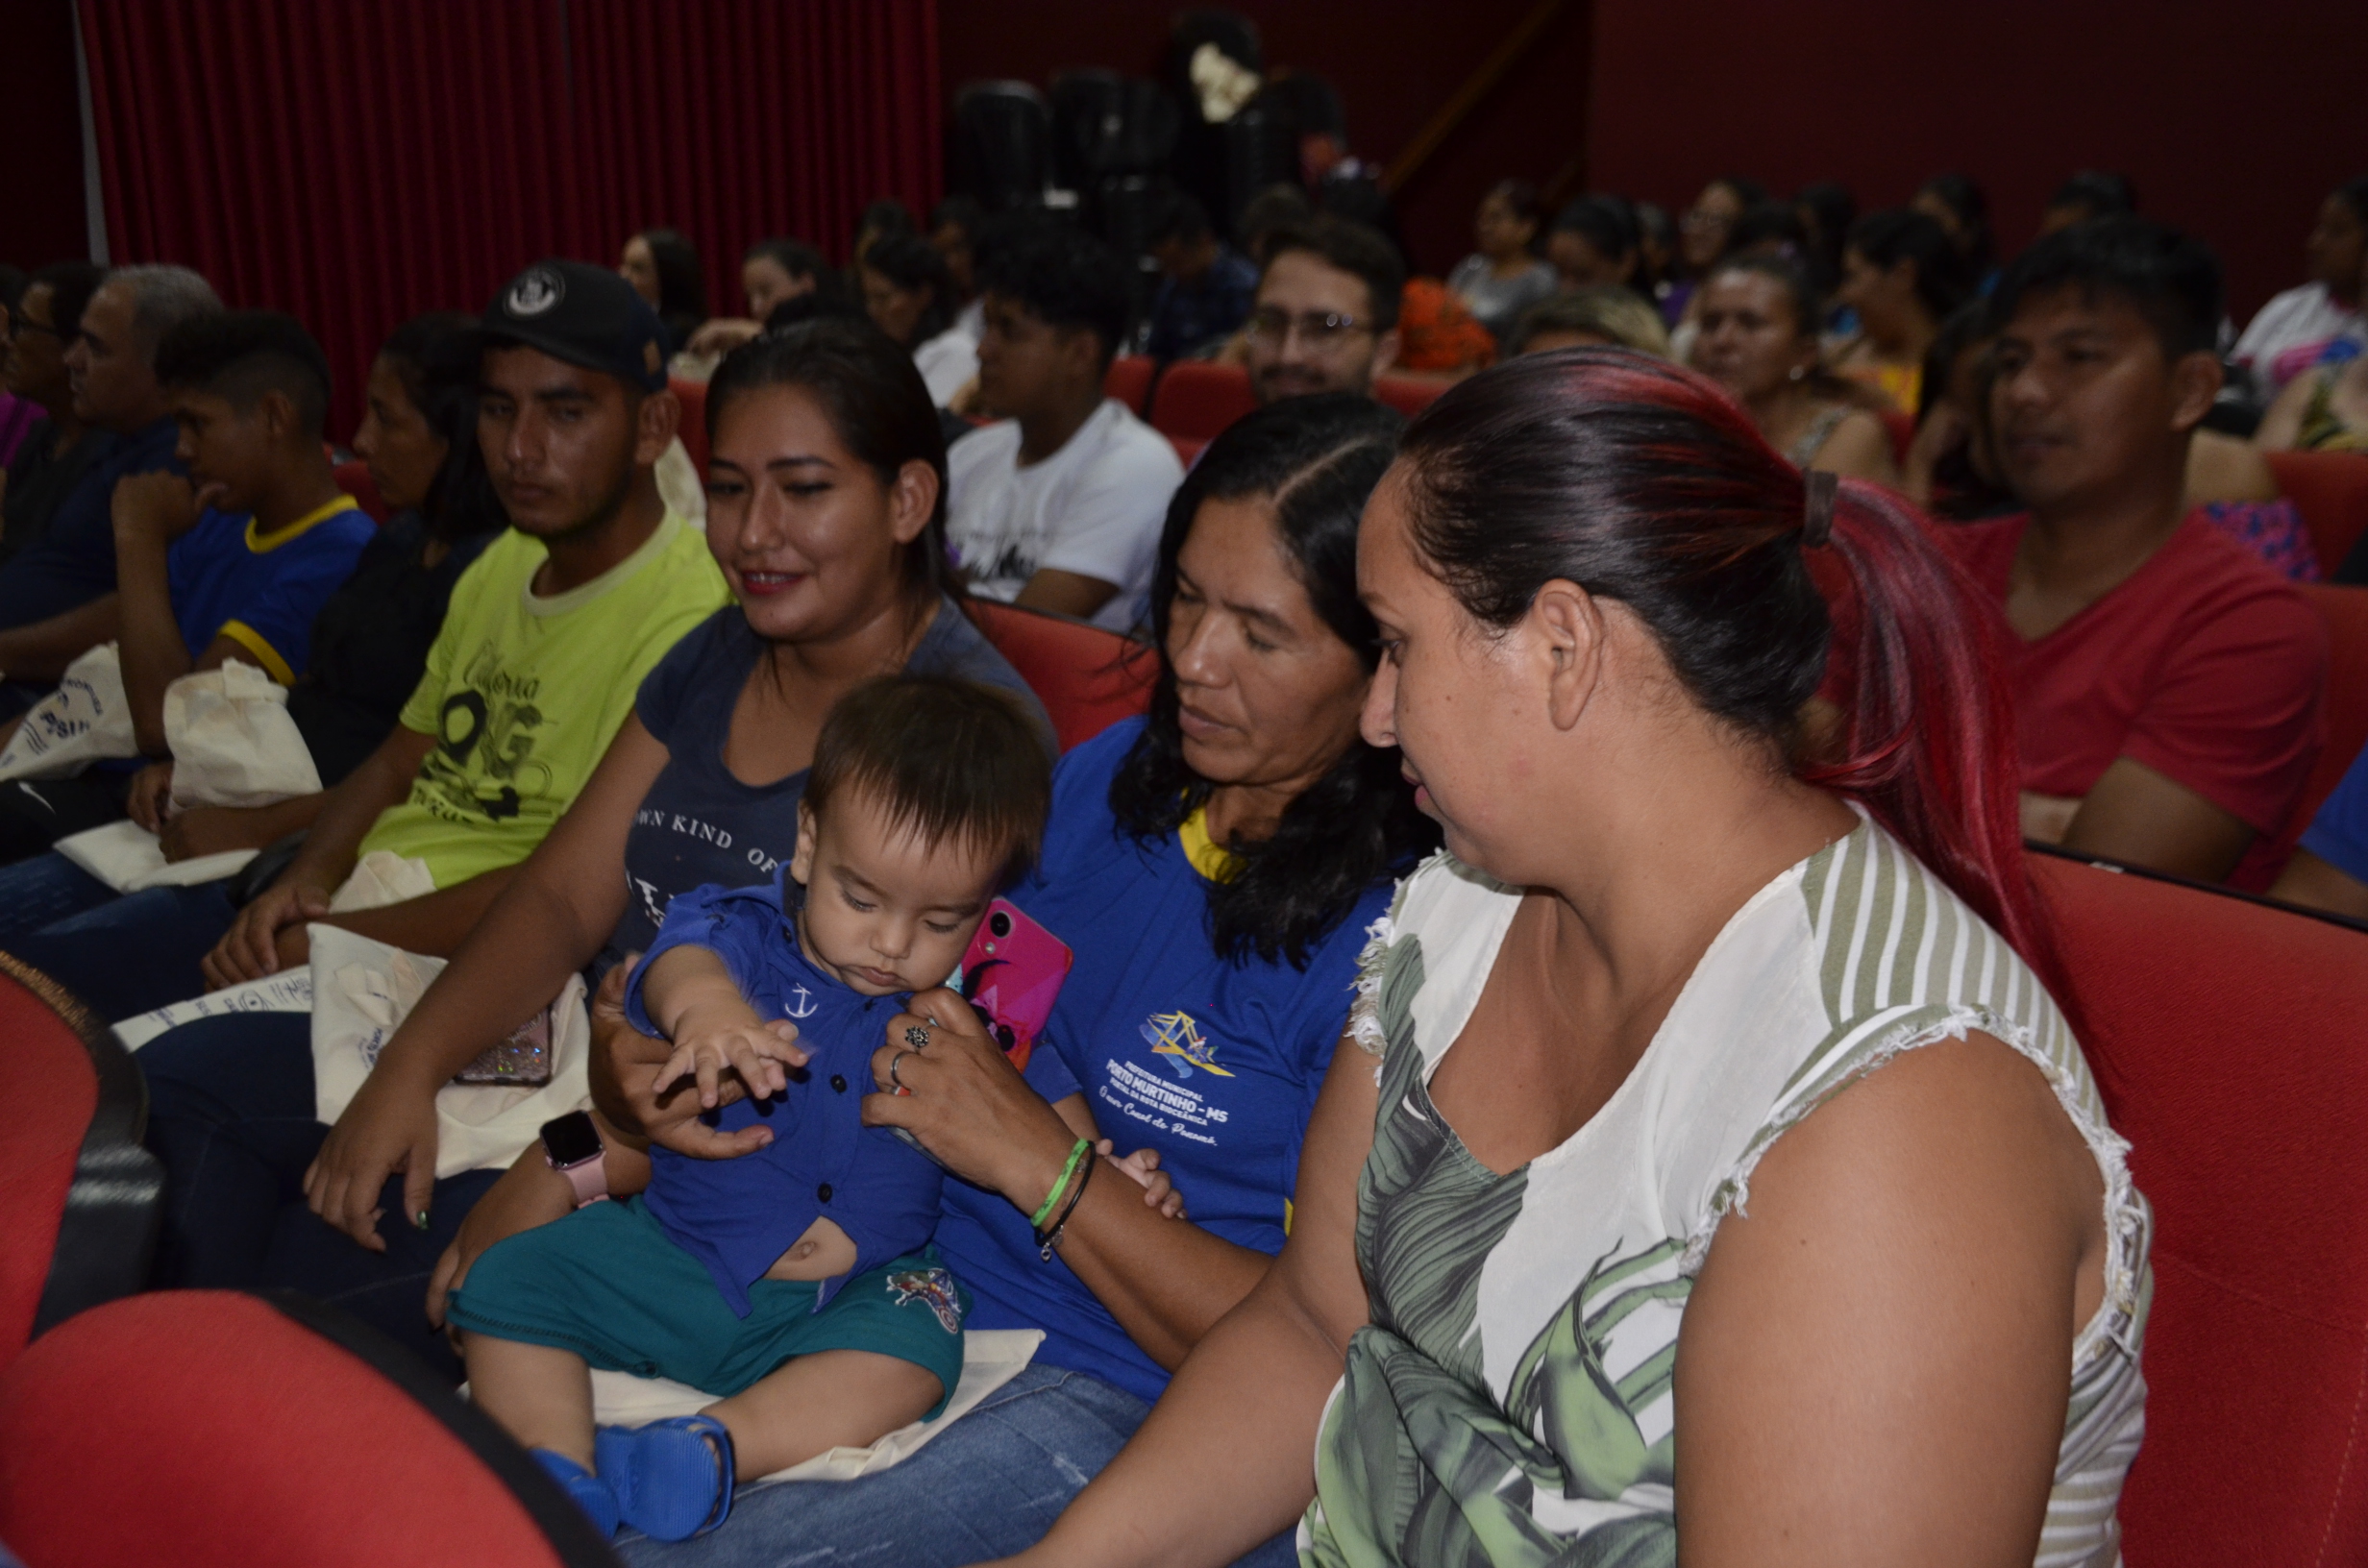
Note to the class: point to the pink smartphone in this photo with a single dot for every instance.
(1011, 974)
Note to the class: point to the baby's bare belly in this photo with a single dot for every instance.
(821, 1253)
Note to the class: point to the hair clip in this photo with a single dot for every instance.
(1817, 515)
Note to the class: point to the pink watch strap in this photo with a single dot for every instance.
(588, 1177)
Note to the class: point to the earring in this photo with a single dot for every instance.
(1799, 371)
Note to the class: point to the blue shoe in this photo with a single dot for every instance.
(671, 1479)
(592, 1494)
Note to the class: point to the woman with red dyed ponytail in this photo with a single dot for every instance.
(1714, 1161)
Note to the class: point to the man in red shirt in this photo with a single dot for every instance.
(2168, 686)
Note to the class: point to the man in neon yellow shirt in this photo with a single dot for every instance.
(547, 639)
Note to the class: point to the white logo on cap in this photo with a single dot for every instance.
(536, 292)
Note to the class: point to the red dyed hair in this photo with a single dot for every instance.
(1644, 482)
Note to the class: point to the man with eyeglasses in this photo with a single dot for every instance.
(58, 595)
(60, 447)
(1326, 314)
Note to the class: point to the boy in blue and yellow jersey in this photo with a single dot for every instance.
(231, 559)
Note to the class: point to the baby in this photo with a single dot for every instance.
(796, 1281)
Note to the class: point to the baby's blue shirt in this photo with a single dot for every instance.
(738, 1216)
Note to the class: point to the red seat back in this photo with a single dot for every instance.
(206, 1428)
(693, 426)
(1198, 397)
(2346, 613)
(1187, 450)
(1129, 380)
(1900, 425)
(2226, 1036)
(50, 1087)
(1087, 678)
(2330, 489)
(354, 479)
(1409, 395)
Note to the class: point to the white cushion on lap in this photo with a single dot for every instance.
(991, 1358)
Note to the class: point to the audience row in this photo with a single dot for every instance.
(1619, 633)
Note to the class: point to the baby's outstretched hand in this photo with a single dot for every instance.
(1159, 1189)
(761, 1054)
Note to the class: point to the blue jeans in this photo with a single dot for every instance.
(46, 889)
(122, 955)
(987, 1485)
(231, 1113)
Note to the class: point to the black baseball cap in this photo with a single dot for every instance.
(583, 314)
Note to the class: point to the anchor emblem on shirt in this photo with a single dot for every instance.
(805, 1007)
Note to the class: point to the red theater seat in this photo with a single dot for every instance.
(354, 479)
(2227, 1038)
(2330, 489)
(1087, 678)
(209, 1428)
(82, 1198)
(1409, 395)
(693, 425)
(1900, 426)
(2346, 613)
(1196, 399)
(1187, 450)
(1129, 380)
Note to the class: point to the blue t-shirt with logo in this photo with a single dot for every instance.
(260, 592)
(1215, 1064)
(738, 1216)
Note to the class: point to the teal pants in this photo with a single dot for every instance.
(609, 1284)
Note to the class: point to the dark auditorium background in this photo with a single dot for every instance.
(557, 123)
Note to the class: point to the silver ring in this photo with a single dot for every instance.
(894, 1062)
(916, 1037)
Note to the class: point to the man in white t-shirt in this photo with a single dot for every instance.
(1060, 505)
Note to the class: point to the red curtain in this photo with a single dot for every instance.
(355, 162)
(735, 121)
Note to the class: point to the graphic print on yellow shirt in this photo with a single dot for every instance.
(489, 725)
(522, 693)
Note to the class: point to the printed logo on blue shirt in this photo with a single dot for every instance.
(1176, 1037)
(934, 1288)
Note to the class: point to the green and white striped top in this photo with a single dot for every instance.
(1510, 1402)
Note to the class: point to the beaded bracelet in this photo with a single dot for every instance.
(1047, 1240)
(1037, 1219)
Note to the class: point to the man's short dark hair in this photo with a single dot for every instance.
(2170, 279)
(950, 760)
(1352, 248)
(1178, 216)
(240, 355)
(1063, 277)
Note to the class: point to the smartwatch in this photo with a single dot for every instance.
(572, 1145)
